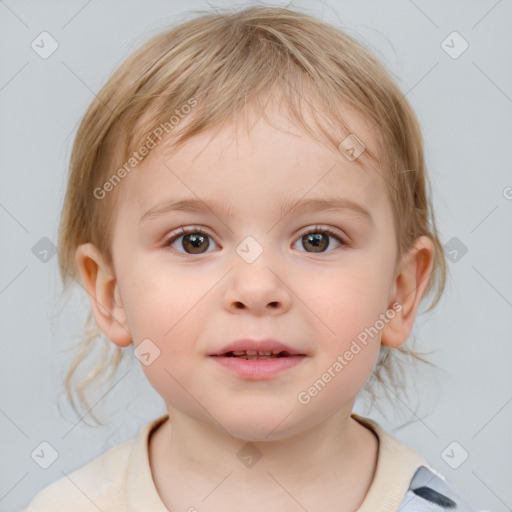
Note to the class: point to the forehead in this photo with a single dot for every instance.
(263, 162)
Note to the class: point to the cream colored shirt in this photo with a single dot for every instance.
(120, 480)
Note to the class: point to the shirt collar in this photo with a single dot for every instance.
(396, 465)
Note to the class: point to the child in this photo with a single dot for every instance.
(247, 206)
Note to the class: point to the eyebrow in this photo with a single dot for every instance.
(301, 206)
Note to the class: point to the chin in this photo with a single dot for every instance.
(261, 426)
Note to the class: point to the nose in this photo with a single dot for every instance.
(257, 288)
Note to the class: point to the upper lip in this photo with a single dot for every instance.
(263, 345)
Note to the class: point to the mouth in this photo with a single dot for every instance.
(255, 355)
(249, 348)
(263, 359)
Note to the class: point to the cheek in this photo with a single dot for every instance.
(348, 300)
(167, 308)
(163, 310)
(348, 305)
(159, 302)
(173, 325)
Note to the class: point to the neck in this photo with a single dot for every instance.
(338, 455)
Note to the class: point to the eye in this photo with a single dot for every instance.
(318, 239)
(194, 240)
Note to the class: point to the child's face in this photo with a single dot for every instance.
(315, 298)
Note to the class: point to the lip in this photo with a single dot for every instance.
(262, 369)
(257, 369)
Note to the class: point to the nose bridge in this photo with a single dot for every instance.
(255, 282)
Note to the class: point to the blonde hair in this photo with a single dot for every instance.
(223, 62)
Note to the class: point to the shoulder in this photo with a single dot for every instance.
(404, 481)
(117, 481)
(429, 491)
(97, 485)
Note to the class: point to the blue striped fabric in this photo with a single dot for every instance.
(430, 493)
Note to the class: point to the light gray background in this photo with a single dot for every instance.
(465, 108)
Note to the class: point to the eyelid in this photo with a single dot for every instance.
(325, 229)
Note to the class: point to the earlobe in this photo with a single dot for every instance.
(100, 283)
(412, 279)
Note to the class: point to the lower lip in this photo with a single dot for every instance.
(258, 369)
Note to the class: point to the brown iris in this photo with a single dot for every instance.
(192, 243)
(319, 241)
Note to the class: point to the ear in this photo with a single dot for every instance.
(100, 282)
(413, 276)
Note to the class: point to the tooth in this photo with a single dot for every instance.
(254, 355)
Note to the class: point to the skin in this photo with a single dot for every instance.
(190, 305)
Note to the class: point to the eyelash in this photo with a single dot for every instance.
(197, 230)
